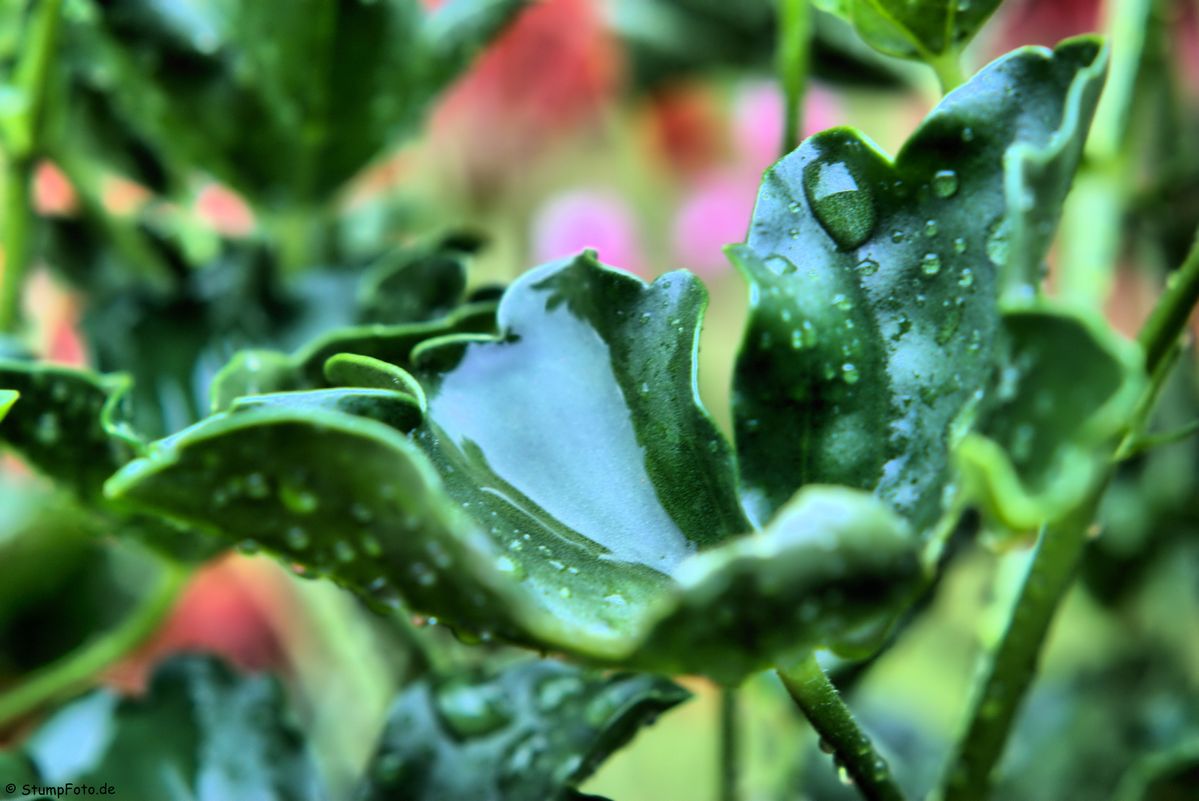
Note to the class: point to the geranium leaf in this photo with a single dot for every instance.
(832, 569)
(927, 30)
(529, 732)
(69, 424)
(201, 733)
(559, 490)
(1066, 387)
(396, 409)
(874, 316)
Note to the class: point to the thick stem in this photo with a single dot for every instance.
(1054, 563)
(730, 741)
(22, 139)
(73, 670)
(1170, 315)
(948, 67)
(794, 37)
(1013, 665)
(15, 261)
(818, 699)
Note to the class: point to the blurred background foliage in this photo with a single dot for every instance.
(210, 175)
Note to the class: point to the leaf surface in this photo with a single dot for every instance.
(919, 29)
(201, 733)
(874, 285)
(531, 732)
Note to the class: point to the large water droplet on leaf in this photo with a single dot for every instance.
(842, 207)
(945, 183)
(997, 242)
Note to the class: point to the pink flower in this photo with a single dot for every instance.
(758, 120)
(582, 219)
(714, 215)
(224, 210)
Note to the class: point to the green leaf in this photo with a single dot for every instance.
(410, 287)
(200, 733)
(69, 424)
(565, 490)
(1066, 388)
(7, 398)
(396, 409)
(928, 30)
(283, 102)
(1169, 776)
(529, 732)
(874, 284)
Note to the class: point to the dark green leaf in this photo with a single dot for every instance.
(1066, 388)
(283, 102)
(396, 409)
(558, 492)
(1169, 776)
(411, 287)
(69, 424)
(928, 30)
(201, 733)
(531, 732)
(874, 320)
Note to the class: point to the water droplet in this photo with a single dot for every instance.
(844, 209)
(564, 592)
(967, 134)
(959, 246)
(554, 690)
(371, 546)
(930, 228)
(897, 236)
(842, 302)
(997, 242)
(945, 183)
(510, 567)
(46, 429)
(868, 266)
(298, 500)
(472, 710)
(930, 264)
(966, 278)
(296, 538)
(249, 547)
(344, 551)
(849, 372)
(257, 486)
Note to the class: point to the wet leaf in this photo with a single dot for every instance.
(7, 398)
(69, 424)
(201, 733)
(875, 284)
(283, 103)
(529, 732)
(928, 30)
(1065, 389)
(565, 489)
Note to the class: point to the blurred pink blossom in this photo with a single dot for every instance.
(712, 216)
(573, 221)
(758, 120)
(719, 203)
(224, 210)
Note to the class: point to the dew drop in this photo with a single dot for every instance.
(930, 264)
(296, 538)
(298, 500)
(849, 372)
(844, 209)
(472, 710)
(945, 183)
(997, 242)
(344, 551)
(868, 266)
(959, 246)
(930, 228)
(966, 278)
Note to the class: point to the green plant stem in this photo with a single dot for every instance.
(794, 37)
(67, 674)
(820, 702)
(17, 176)
(1170, 315)
(22, 139)
(730, 742)
(1055, 561)
(948, 67)
(1014, 663)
